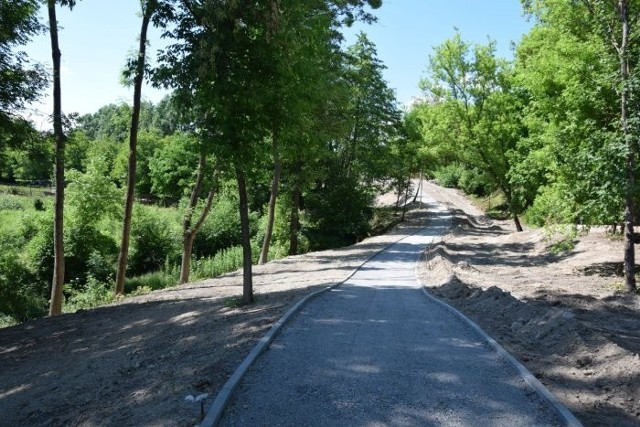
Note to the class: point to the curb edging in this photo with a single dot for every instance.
(527, 376)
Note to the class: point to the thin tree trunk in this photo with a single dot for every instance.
(415, 197)
(247, 277)
(275, 184)
(516, 221)
(623, 53)
(294, 224)
(55, 306)
(188, 232)
(406, 198)
(133, 142)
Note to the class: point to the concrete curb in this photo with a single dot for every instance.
(214, 413)
(564, 413)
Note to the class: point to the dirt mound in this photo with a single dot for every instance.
(559, 314)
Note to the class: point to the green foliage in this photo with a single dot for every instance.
(221, 229)
(155, 237)
(225, 261)
(474, 181)
(552, 206)
(94, 294)
(20, 296)
(561, 237)
(92, 196)
(11, 203)
(332, 222)
(474, 115)
(22, 81)
(449, 175)
(172, 167)
(152, 281)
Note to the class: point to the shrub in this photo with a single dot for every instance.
(21, 296)
(221, 229)
(155, 236)
(88, 252)
(333, 221)
(150, 282)
(449, 175)
(551, 206)
(95, 293)
(225, 261)
(38, 205)
(473, 181)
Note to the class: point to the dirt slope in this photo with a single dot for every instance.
(134, 363)
(560, 315)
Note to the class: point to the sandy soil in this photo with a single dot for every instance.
(563, 316)
(134, 363)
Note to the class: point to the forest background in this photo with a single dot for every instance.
(274, 139)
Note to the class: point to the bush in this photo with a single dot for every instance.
(94, 294)
(221, 229)
(225, 261)
(334, 222)
(89, 252)
(38, 205)
(449, 175)
(473, 181)
(150, 282)
(551, 206)
(155, 237)
(21, 297)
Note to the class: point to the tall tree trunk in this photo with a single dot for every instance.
(623, 54)
(399, 193)
(516, 221)
(55, 306)
(415, 196)
(247, 277)
(406, 198)
(275, 184)
(133, 142)
(294, 224)
(189, 232)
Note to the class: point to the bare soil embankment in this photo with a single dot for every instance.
(561, 315)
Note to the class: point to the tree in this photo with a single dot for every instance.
(475, 111)
(148, 9)
(22, 82)
(591, 112)
(615, 19)
(373, 116)
(221, 65)
(55, 307)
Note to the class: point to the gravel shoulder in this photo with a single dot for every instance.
(561, 315)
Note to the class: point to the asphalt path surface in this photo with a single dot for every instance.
(375, 351)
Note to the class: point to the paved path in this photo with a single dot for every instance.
(375, 351)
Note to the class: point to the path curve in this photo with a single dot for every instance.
(374, 351)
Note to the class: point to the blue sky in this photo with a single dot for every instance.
(97, 36)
